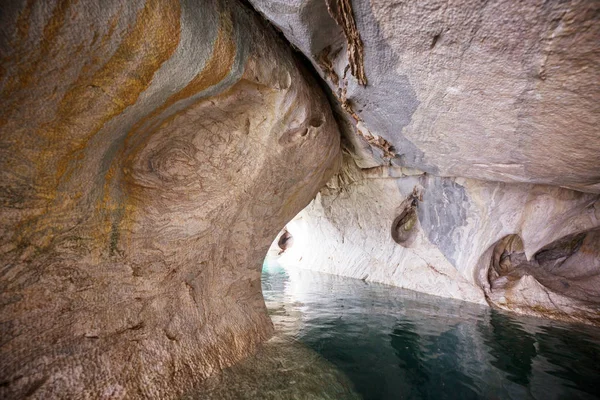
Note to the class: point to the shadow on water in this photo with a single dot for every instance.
(430, 366)
(397, 344)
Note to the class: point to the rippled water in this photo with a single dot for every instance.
(398, 344)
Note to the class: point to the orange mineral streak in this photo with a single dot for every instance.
(217, 68)
(95, 100)
(29, 59)
(23, 21)
(27, 70)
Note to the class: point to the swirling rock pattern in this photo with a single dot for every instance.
(150, 152)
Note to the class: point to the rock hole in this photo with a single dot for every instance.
(286, 240)
(569, 267)
(507, 256)
(293, 136)
(435, 39)
(316, 122)
(403, 227)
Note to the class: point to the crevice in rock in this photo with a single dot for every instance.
(341, 11)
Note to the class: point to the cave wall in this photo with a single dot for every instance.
(499, 91)
(464, 123)
(360, 226)
(346, 231)
(150, 152)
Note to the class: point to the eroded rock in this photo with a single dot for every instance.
(150, 152)
(561, 280)
(490, 112)
(504, 91)
(351, 229)
(523, 247)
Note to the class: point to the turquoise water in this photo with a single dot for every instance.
(397, 344)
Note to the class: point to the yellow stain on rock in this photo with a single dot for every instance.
(217, 68)
(93, 101)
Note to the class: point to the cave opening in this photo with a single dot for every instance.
(382, 340)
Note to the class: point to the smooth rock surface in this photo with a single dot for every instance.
(466, 125)
(150, 151)
(358, 227)
(503, 91)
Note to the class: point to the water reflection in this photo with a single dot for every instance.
(573, 360)
(510, 345)
(397, 344)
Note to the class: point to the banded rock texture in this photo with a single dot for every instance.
(150, 152)
(473, 165)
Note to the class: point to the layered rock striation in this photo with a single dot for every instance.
(504, 91)
(150, 152)
(455, 237)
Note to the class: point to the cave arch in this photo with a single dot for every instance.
(143, 182)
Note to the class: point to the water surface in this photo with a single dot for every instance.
(398, 344)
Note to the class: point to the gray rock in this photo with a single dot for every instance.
(499, 91)
(496, 105)
(458, 241)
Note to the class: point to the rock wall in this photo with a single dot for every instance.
(150, 151)
(501, 91)
(347, 231)
(448, 237)
(473, 165)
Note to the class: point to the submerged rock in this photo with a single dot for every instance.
(282, 368)
(150, 151)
